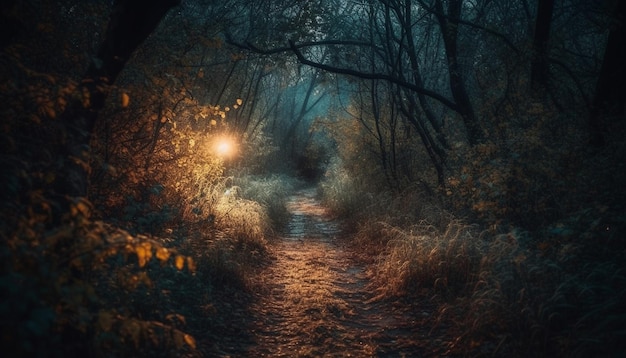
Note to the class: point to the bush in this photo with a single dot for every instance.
(63, 285)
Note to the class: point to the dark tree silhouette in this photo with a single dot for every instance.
(130, 24)
(449, 23)
(610, 93)
(540, 69)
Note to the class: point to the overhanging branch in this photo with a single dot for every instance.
(296, 50)
(372, 76)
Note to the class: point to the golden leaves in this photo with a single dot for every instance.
(191, 264)
(181, 338)
(81, 208)
(190, 340)
(179, 262)
(163, 254)
(125, 100)
(144, 253)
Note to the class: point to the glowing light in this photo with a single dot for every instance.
(225, 147)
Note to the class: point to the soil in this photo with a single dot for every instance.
(315, 299)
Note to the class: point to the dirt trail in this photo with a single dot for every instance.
(313, 301)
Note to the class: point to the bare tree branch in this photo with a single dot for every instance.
(295, 48)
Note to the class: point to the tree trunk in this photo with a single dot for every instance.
(540, 70)
(130, 24)
(610, 95)
(449, 29)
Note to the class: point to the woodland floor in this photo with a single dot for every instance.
(314, 299)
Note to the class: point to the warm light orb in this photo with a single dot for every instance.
(225, 147)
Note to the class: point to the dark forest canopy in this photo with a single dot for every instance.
(432, 62)
(136, 132)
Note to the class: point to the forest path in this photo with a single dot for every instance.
(313, 299)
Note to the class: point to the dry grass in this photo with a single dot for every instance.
(233, 240)
(556, 292)
(423, 257)
(271, 192)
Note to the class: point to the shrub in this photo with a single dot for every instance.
(61, 285)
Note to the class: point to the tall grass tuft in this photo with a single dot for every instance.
(346, 194)
(271, 192)
(424, 257)
(240, 215)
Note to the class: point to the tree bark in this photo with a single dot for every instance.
(131, 22)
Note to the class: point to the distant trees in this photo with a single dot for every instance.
(438, 57)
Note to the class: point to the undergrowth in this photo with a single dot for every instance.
(530, 264)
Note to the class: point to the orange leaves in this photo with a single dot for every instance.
(163, 254)
(144, 253)
(125, 100)
(81, 209)
(191, 342)
(215, 112)
(179, 262)
(146, 250)
(191, 264)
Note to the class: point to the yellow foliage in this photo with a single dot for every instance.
(179, 262)
(125, 100)
(81, 208)
(144, 253)
(190, 341)
(162, 254)
(191, 265)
